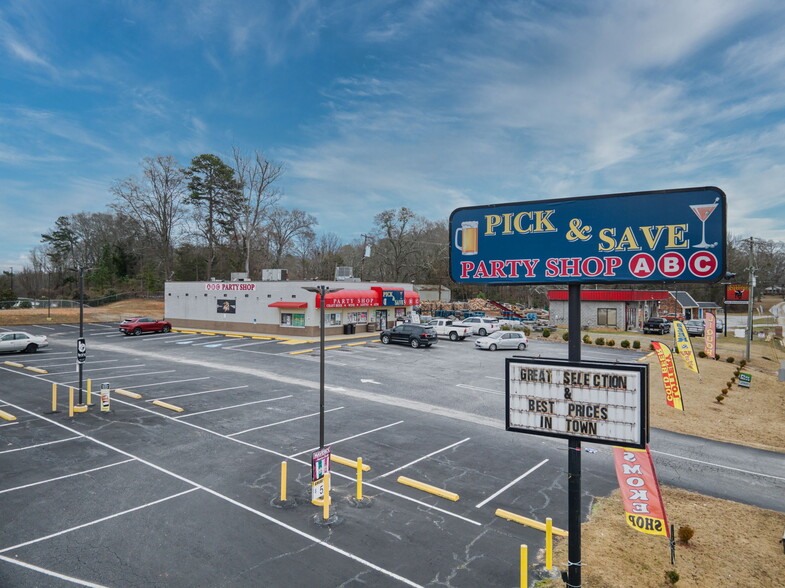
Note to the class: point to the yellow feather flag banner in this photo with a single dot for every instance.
(684, 346)
(710, 335)
(640, 491)
(669, 377)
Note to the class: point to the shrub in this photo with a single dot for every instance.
(587, 339)
(743, 362)
(685, 533)
(610, 342)
(672, 576)
(566, 335)
(26, 304)
(625, 344)
(600, 340)
(728, 384)
(546, 333)
(701, 354)
(724, 391)
(730, 360)
(736, 372)
(527, 331)
(719, 398)
(716, 357)
(651, 347)
(506, 328)
(636, 344)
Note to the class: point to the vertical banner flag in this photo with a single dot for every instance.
(669, 378)
(684, 346)
(640, 491)
(710, 335)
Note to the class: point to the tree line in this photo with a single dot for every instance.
(213, 217)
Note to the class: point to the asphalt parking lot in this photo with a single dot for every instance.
(146, 496)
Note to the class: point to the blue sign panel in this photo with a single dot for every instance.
(664, 236)
(392, 297)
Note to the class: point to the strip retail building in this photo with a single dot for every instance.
(287, 308)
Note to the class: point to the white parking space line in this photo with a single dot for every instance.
(96, 521)
(251, 343)
(478, 389)
(9, 424)
(49, 355)
(305, 416)
(111, 465)
(90, 371)
(91, 361)
(39, 445)
(516, 480)
(53, 574)
(44, 327)
(348, 438)
(316, 359)
(208, 342)
(494, 378)
(137, 375)
(190, 414)
(69, 326)
(165, 383)
(411, 463)
(197, 393)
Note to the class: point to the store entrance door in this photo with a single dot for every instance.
(381, 319)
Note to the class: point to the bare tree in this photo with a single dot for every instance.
(396, 233)
(284, 226)
(256, 175)
(156, 203)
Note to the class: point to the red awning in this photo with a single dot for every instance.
(411, 298)
(350, 299)
(284, 304)
(612, 295)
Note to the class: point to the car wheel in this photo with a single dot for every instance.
(385, 339)
(414, 343)
(521, 346)
(137, 331)
(31, 348)
(166, 329)
(492, 346)
(453, 336)
(482, 332)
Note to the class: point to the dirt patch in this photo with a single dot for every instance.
(117, 311)
(733, 545)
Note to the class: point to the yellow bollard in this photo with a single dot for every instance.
(549, 543)
(89, 392)
(70, 401)
(283, 481)
(326, 501)
(359, 494)
(54, 397)
(524, 566)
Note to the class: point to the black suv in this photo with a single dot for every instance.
(657, 325)
(410, 334)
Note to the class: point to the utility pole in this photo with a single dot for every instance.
(751, 269)
(365, 249)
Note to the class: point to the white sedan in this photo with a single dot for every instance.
(21, 341)
(503, 340)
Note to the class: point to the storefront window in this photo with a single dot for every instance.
(400, 313)
(332, 319)
(357, 317)
(290, 319)
(606, 317)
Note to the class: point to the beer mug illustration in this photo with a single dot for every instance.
(469, 231)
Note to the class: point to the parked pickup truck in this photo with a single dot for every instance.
(446, 328)
(479, 325)
(657, 325)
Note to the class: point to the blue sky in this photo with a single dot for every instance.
(430, 104)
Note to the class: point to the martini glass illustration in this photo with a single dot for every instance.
(703, 212)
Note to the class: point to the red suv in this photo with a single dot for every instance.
(139, 325)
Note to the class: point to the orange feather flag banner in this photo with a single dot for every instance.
(669, 377)
(684, 346)
(640, 491)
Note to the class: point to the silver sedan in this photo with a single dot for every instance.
(21, 341)
(503, 340)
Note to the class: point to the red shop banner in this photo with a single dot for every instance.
(640, 491)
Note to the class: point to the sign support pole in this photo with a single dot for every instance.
(574, 450)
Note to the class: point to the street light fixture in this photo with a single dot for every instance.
(322, 291)
(81, 349)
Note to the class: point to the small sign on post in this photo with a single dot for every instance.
(81, 350)
(745, 380)
(105, 397)
(320, 467)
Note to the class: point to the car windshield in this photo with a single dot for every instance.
(694, 323)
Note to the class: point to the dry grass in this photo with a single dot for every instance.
(116, 311)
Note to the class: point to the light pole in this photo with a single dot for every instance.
(751, 269)
(322, 291)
